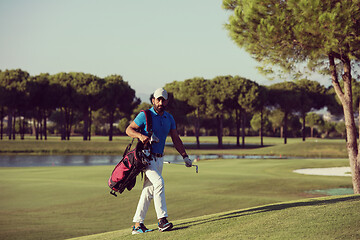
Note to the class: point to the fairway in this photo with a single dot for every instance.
(316, 218)
(65, 202)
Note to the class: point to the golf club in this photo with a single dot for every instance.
(193, 165)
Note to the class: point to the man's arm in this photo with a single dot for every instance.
(133, 131)
(178, 144)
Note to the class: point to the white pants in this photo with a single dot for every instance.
(153, 188)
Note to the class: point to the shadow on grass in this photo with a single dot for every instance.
(268, 208)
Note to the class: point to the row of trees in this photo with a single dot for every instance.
(238, 98)
(70, 98)
(38, 97)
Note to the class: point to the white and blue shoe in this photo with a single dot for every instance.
(141, 229)
(164, 225)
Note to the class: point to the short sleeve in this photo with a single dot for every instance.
(140, 120)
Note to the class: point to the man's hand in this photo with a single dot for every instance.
(187, 161)
(144, 139)
(133, 131)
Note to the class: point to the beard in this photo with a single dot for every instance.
(159, 108)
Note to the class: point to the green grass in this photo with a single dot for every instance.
(312, 147)
(65, 202)
(228, 199)
(30, 146)
(317, 218)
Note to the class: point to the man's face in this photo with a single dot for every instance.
(159, 104)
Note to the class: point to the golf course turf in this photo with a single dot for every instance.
(316, 218)
(227, 199)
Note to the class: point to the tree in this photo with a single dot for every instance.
(2, 105)
(189, 99)
(323, 34)
(123, 123)
(88, 88)
(116, 94)
(219, 92)
(356, 95)
(286, 97)
(234, 104)
(259, 122)
(262, 101)
(276, 118)
(249, 97)
(65, 101)
(312, 97)
(326, 128)
(313, 120)
(334, 103)
(340, 128)
(13, 84)
(2, 109)
(42, 102)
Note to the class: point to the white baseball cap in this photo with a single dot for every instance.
(160, 92)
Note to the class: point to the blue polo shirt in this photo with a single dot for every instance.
(161, 126)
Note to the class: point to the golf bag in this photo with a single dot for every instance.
(132, 163)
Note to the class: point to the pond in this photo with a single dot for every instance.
(333, 191)
(94, 160)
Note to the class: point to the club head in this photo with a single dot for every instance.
(146, 152)
(197, 168)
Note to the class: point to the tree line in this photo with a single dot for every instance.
(227, 101)
(65, 98)
(221, 104)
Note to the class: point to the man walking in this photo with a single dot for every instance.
(163, 124)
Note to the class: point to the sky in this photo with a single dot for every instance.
(148, 43)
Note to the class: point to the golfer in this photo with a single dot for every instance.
(163, 123)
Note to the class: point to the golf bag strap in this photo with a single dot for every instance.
(148, 121)
(127, 149)
(148, 129)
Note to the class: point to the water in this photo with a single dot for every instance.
(333, 191)
(96, 160)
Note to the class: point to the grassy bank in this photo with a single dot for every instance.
(100, 145)
(65, 202)
(317, 218)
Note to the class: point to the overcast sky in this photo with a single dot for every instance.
(148, 43)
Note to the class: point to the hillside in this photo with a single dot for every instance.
(316, 218)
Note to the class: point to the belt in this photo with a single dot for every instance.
(159, 155)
